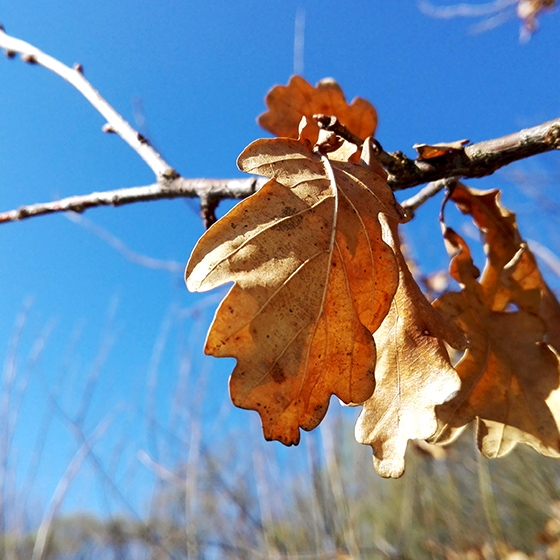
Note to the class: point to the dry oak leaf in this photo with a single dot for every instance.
(413, 373)
(501, 237)
(529, 291)
(313, 280)
(510, 378)
(511, 274)
(288, 104)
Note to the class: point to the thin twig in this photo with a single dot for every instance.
(7, 420)
(122, 248)
(63, 485)
(159, 470)
(431, 189)
(74, 76)
(465, 9)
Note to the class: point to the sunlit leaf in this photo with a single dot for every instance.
(510, 377)
(413, 373)
(313, 280)
(288, 104)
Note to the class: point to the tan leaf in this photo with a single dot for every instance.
(528, 290)
(313, 280)
(510, 378)
(288, 104)
(413, 373)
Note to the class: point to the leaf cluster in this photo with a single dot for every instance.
(323, 302)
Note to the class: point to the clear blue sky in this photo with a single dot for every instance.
(197, 73)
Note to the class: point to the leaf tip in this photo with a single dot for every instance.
(389, 468)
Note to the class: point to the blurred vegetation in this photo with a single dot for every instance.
(450, 505)
(216, 490)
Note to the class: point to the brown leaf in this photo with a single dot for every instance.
(429, 151)
(501, 236)
(313, 280)
(510, 378)
(511, 274)
(413, 373)
(288, 104)
(528, 290)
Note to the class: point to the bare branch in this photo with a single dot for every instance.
(476, 160)
(205, 189)
(75, 77)
(496, 13)
(465, 9)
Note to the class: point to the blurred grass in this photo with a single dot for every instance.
(221, 492)
(458, 507)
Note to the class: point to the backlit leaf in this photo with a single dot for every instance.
(313, 280)
(288, 104)
(511, 274)
(510, 376)
(413, 373)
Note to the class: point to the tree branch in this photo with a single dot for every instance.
(474, 161)
(75, 77)
(477, 160)
(208, 190)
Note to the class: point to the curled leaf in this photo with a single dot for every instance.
(511, 274)
(510, 377)
(429, 151)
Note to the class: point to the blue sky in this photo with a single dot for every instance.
(196, 73)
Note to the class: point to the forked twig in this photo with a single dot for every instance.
(169, 183)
